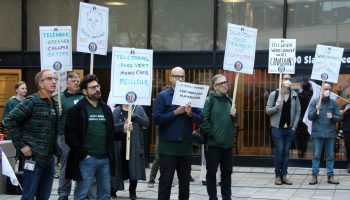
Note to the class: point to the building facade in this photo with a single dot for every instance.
(191, 34)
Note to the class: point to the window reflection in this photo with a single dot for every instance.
(313, 22)
(182, 25)
(266, 16)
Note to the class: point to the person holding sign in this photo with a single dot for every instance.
(33, 127)
(134, 168)
(175, 138)
(345, 113)
(219, 123)
(69, 98)
(90, 132)
(283, 107)
(324, 132)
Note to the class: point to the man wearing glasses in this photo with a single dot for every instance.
(33, 127)
(283, 107)
(89, 132)
(219, 123)
(69, 98)
(175, 138)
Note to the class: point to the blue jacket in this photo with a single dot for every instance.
(171, 127)
(323, 127)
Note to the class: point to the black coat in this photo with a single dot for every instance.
(76, 125)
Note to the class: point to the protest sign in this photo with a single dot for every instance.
(131, 76)
(56, 48)
(188, 93)
(282, 56)
(240, 49)
(92, 34)
(327, 63)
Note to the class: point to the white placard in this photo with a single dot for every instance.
(282, 56)
(188, 93)
(63, 83)
(240, 48)
(131, 78)
(56, 48)
(327, 63)
(92, 35)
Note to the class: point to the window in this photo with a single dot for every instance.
(319, 22)
(182, 25)
(266, 16)
(51, 13)
(127, 23)
(10, 23)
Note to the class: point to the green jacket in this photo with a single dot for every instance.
(30, 124)
(218, 123)
(68, 100)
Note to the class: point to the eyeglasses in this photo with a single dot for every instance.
(94, 87)
(221, 83)
(50, 79)
(178, 77)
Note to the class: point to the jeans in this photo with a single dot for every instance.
(282, 139)
(65, 185)
(167, 165)
(216, 155)
(317, 145)
(91, 168)
(38, 183)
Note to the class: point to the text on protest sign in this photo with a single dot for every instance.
(92, 36)
(56, 48)
(327, 63)
(240, 49)
(188, 93)
(131, 78)
(282, 56)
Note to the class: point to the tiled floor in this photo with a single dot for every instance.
(251, 183)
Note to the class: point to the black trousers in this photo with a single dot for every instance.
(347, 146)
(302, 138)
(167, 166)
(216, 156)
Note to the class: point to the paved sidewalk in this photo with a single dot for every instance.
(250, 183)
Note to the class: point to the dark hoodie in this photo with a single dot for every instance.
(218, 123)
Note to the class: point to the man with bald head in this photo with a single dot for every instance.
(324, 118)
(175, 138)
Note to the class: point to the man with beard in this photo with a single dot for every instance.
(89, 132)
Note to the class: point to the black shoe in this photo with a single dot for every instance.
(132, 195)
(204, 182)
(63, 198)
(192, 180)
(113, 194)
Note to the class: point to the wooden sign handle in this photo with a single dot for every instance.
(92, 63)
(320, 99)
(280, 88)
(235, 90)
(59, 91)
(128, 134)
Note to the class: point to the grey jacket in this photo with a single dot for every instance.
(136, 164)
(275, 113)
(323, 127)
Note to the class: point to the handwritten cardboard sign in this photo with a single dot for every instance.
(188, 93)
(282, 56)
(131, 77)
(92, 35)
(327, 63)
(240, 49)
(56, 48)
